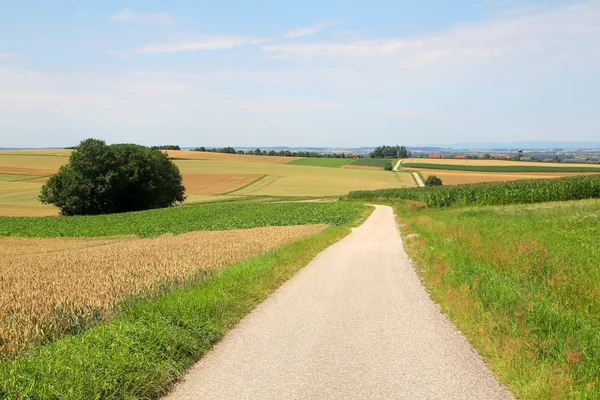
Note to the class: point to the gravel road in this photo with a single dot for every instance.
(418, 179)
(353, 324)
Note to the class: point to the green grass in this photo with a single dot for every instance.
(322, 162)
(501, 168)
(221, 216)
(152, 342)
(495, 193)
(375, 162)
(523, 284)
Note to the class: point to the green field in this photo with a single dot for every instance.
(523, 284)
(501, 168)
(322, 162)
(494, 193)
(221, 216)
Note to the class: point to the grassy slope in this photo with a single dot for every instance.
(523, 284)
(221, 216)
(322, 162)
(501, 168)
(152, 342)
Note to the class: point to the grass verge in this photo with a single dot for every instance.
(152, 342)
(523, 284)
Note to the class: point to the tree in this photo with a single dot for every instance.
(388, 166)
(101, 179)
(433, 180)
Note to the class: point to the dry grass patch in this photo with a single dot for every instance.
(202, 155)
(372, 167)
(216, 183)
(465, 177)
(50, 287)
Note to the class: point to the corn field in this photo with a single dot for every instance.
(494, 193)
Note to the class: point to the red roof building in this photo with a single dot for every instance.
(435, 156)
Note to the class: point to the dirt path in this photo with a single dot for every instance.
(418, 179)
(397, 166)
(353, 324)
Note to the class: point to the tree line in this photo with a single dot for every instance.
(281, 153)
(390, 152)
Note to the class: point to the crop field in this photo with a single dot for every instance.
(465, 177)
(322, 162)
(216, 183)
(491, 163)
(205, 176)
(515, 192)
(51, 287)
(374, 162)
(202, 155)
(522, 282)
(507, 167)
(177, 220)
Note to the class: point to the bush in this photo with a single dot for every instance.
(433, 180)
(388, 166)
(101, 179)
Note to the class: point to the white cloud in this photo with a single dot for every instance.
(569, 30)
(213, 42)
(131, 16)
(311, 30)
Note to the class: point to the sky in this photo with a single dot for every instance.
(310, 73)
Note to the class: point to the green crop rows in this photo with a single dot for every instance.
(182, 219)
(500, 168)
(496, 193)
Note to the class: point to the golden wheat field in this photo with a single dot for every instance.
(205, 155)
(216, 183)
(48, 286)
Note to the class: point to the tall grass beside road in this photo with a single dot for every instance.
(523, 284)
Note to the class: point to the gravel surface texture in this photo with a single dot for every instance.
(355, 323)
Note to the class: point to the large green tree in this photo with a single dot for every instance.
(102, 179)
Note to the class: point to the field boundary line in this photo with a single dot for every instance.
(246, 185)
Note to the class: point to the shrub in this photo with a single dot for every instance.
(101, 179)
(388, 166)
(433, 180)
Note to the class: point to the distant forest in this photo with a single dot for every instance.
(281, 153)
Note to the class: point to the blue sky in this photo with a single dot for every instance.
(309, 73)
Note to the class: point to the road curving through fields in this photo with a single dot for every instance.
(354, 324)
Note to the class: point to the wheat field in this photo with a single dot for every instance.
(50, 287)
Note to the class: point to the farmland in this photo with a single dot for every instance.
(55, 286)
(516, 192)
(207, 177)
(506, 167)
(322, 162)
(159, 300)
(453, 177)
(522, 283)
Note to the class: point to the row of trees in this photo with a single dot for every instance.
(281, 153)
(390, 152)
